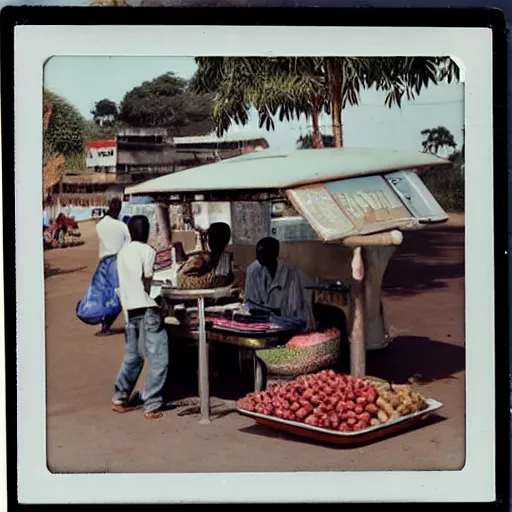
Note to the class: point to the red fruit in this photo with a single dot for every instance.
(371, 396)
(311, 420)
(360, 425)
(333, 400)
(372, 409)
(328, 391)
(361, 400)
(318, 412)
(343, 427)
(344, 416)
(365, 416)
(279, 413)
(307, 394)
(350, 395)
(301, 413)
(350, 405)
(358, 409)
(315, 400)
(295, 406)
(351, 422)
(351, 414)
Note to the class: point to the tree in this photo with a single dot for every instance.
(436, 139)
(282, 87)
(66, 127)
(168, 102)
(95, 132)
(290, 87)
(105, 112)
(63, 138)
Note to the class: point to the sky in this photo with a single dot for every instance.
(84, 80)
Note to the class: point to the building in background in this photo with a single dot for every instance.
(146, 153)
(139, 154)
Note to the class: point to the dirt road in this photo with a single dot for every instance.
(424, 300)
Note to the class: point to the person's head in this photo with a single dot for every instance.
(114, 207)
(219, 235)
(138, 226)
(267, 251)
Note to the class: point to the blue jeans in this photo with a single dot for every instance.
(145, 337)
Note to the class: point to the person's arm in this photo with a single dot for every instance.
(251, 292)
(147, 267)
(296, 306)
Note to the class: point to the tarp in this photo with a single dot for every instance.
(101, 299)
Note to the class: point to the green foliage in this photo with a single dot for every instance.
(94, 131)
(76, 162)
(447, 186)
(436, 139)
(105, 112)
(66, 129)
(168, 102)
(306, 141)
(287, 87)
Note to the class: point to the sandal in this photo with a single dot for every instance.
(153, 415)
(132, 404)
(107, 332)
(121, 408)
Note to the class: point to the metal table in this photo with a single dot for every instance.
(200, 295)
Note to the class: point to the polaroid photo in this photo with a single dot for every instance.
(266, 267)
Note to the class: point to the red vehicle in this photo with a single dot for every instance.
(63, 232)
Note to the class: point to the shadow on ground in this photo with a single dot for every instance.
(52, 271)
(226, 382)
(418, 264)
(420, 359)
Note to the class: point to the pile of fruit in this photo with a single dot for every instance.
(335, 401)
(72, 238)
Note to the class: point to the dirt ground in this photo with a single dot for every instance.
(424, 299)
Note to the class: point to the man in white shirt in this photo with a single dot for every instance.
(145, 334)
(112, 234)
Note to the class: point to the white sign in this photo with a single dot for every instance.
(101, 154)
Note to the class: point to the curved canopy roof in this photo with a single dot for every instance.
(267, 170)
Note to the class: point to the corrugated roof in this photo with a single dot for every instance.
(212, 139)
(269, 170)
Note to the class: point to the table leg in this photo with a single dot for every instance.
(204, 384)
(258, 373)
(358, 331)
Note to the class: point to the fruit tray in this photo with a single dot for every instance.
(330, 436)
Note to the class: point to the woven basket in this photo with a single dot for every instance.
(290, 362)
(203, 282)
(195, 282)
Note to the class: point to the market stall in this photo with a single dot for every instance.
(347, 208)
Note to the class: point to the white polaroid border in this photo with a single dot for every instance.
(472, 47)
